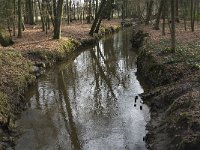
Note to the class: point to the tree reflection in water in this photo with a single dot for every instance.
(70, 124)
(88, 102)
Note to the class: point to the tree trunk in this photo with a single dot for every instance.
(109, 9)
(193, 13)
(149, 11)
(177, 13)
(74, 11)
(173, 34)
(96, 8)
(122, 12)
(98, 17)
(98, 26)
(160, 9)
(41, 15)
(30, 12)
(89, 12)
(68, 12)
(19, 19)
(197, 12)
(164, 19)
(50, 12)
(185, 14)
(14, 17)
(58, 20)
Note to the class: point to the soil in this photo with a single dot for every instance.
(174, 94)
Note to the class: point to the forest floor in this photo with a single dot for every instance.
(175, 93)
(182, 36)
(22, 62)
(34, 38)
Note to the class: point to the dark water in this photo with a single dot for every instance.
(88, 102)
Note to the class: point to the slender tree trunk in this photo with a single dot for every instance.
(50, 12)
(177, 11)
(173, 32)
(94, 27)
(68, 12)
(89, 12)
(123, 12)
(164, 19)
(14, 17)
(19, 19)
(197, 12)
(54, 8)
(48, 22)
(36, 12)
(83, 16)
(93, 8)
(96, 9)
(26, 12)
(149, 11)
(191, 15)
(185, 14)
(74, 12)
(77, 11)
(98, 26)
(126, 10)
(41, 15)
(156, 26)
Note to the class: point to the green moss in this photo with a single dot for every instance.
(14, 77)
(116, 27)
(67, 45)
(15, 69)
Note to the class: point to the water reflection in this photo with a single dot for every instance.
(70, 124)
(88, 102)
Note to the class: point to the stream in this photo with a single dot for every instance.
(88, 102)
